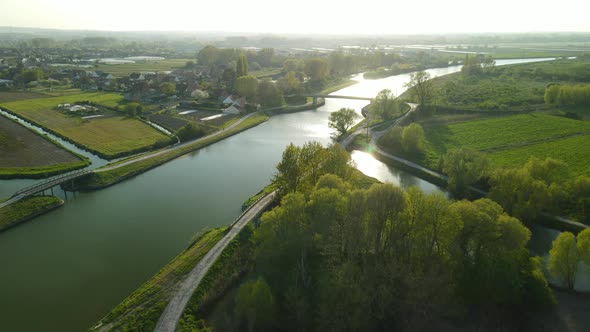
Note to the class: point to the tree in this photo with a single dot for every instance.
(168, 88)
(413, 139)
(421, 87)
(464, 168)
(289, 83)
(247, 86)
(269, 94)
(471, 65)
(291, 65)
(581, 192)
(342, 120)
(316, 69)
(563, 259)
(133, 109)
(242, 66)
(551, 93)
(34, 74)
(583, 246)
(190, 131)
(385, 105)
(255, 303)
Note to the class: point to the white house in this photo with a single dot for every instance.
(236, 107)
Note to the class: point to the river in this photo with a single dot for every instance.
(64, 270)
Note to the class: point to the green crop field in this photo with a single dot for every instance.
(575, 151)
(511, 140)
(121, 70)
(109, 136)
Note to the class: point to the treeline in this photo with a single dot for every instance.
(567, 95)
(334, 256)
(526, 192)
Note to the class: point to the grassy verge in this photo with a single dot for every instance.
(266, 190)
(236, 260)
(100, 180)
(335, 86)
(142, 309)
(26, 209)
(40, 172)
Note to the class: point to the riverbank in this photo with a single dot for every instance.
(27, 209)
(107, 176)
(141, 309)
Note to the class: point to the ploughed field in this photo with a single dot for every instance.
(109, 137)
(512, 140)
(23, 151)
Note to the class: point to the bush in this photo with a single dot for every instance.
(189, 132)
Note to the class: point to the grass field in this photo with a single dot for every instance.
(121, 70)
(141, 310)
(110, 137)
(27, 154)
(511, 140)
(27, 208)
(513, 87)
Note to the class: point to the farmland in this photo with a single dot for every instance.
(121, 70)
(27, 154)
(110, 137)
(511, 140)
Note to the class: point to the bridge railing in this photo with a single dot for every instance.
(51, 182)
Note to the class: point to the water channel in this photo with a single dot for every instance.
(64, 270)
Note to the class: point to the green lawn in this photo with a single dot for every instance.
(109, 137)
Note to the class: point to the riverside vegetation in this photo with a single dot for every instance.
(25, 209)
(531, 163)
(335, 254)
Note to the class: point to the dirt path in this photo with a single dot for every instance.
(169, 319)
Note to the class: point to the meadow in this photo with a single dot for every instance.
(514, 87)
(27, 154)
(109, 137)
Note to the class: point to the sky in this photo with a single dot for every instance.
(300, 16)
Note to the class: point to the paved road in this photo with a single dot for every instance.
(169, 319)
(180, 146)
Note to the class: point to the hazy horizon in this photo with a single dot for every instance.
(302, 18)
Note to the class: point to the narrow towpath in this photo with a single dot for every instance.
(169, 319)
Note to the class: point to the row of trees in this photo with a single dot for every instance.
(334, 256)
(540, 185)
(567, 95)
(265, 92)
